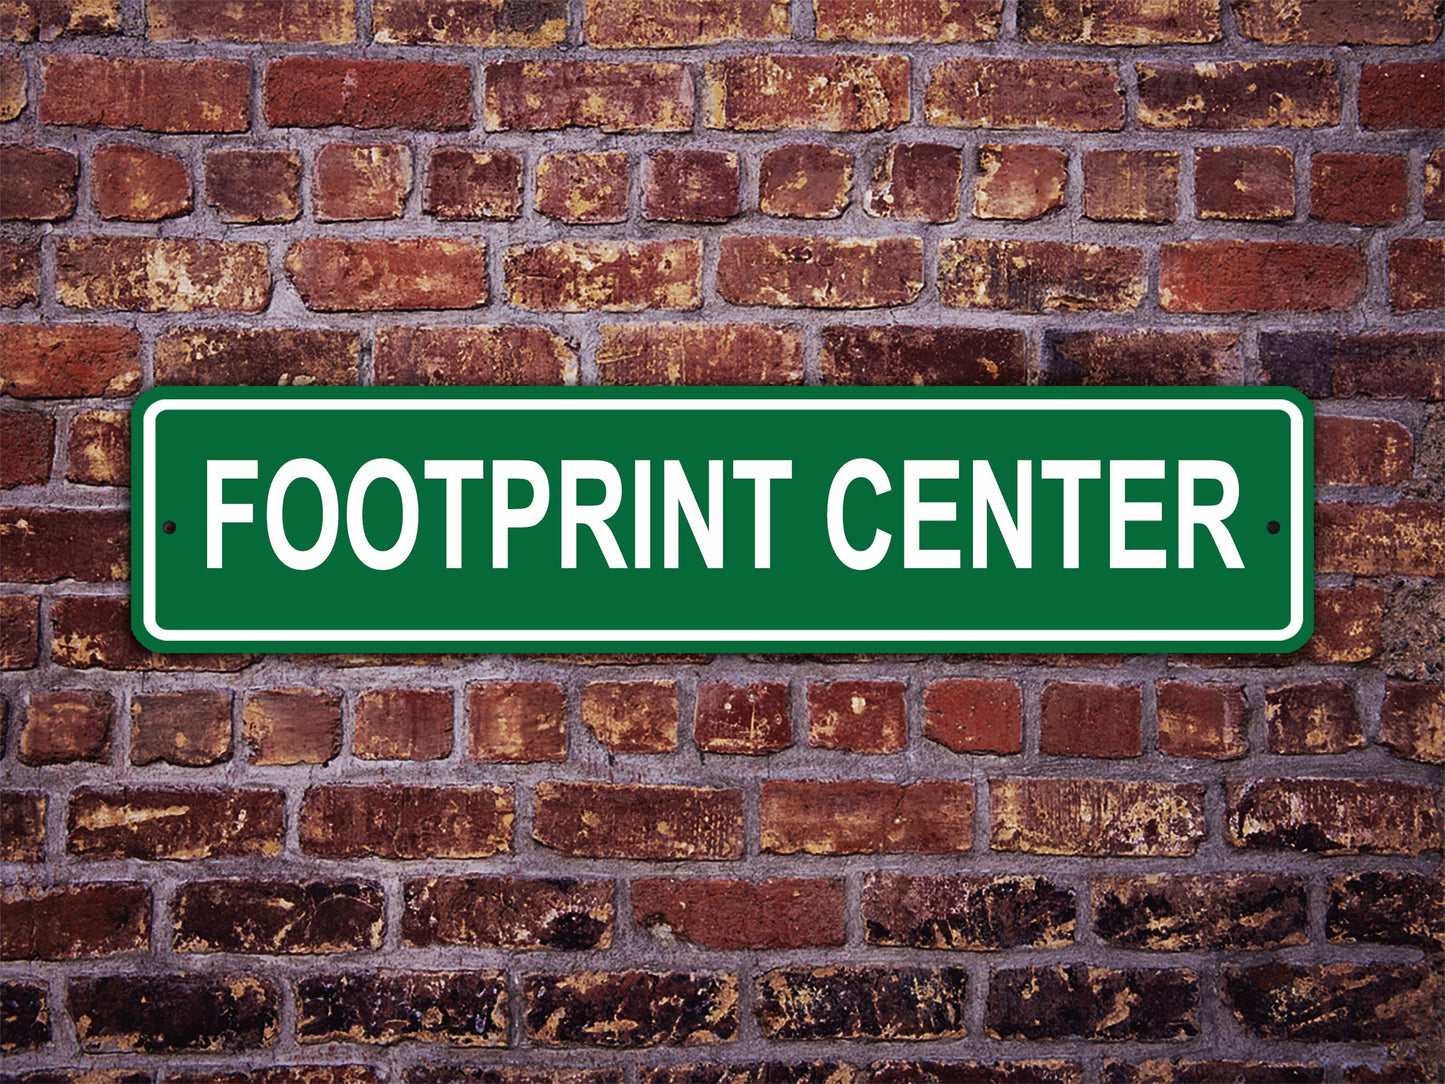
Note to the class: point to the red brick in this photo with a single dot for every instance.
(472, 355)
(916, 181)
(43, 545)
(1202, 720)
(62, 727)
(857, 716)
(1259, 276)
(1433, 198)
(540, 95)
(330, 23)
(1403, 95)
(137, 185)
(1139, 356)
(47, 20)
(143, 274)
(630, 1009)
(1407, 538)
(74, 922)
(316, 92)
(94, 630)
(1039, 276)
(278, 917)
(27, 445)
(667, 24)
(1019, 180)
(1412, 721)
(941, 22)
(1329, 22)
(974, 715)
(190, 729)
(1333, 816)
(468, 185)
(831, 93)
(751, 720)
(1358, 189)
(611, 276)
(487, 23)
(356, 181)
(254, 186)
(1119, 22)
(966, 913)
(334, 274)
(1361, 451)
(19, 632)
(632, 716)
(690, 186)
(909, 355)
(606, 820)
(353, 821)
(22, 825)
(39, 183)
(258, 356)
(820, 272)
(805, 180)
(583, 188)
(1131, 186)
(1096, 817)
(778, 913)
(19, 272)
(864, 1002)
(176, 823)
(1313, 717)
(403, 724)
(153, 95)
(1090, 720)
(815, 816)
(13, 87)
(519, 721)
(1417, 273)
(1249, 183)
(699, 353)
(1215, 96)
(508, 912)
(1347, 625)
(996, 92)
(166, 1013)
(292, 726)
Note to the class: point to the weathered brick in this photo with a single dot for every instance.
(905, 354)
(820, 272)
(14, 85)
(43, 545)
(540, 95)
(777, 913)
(805, 180)
(171, 1013)
(1096, 817)
(864, 1002)
(138, 185)
(1201, 911)
(19, 631)
(488, 23)
(866, 817)
(941, 22)
(334, 274)
(39, 183)
(252, 21)
(1013, 1071)
(65, 726)
(98, 452)
(607, 820)
(508, 912)
(1348, 624)
(1039, 276)
(583, 188)
(999, 92)
(517, 721)
(1129, 356)
(403, 724)
(1215, 96)
(1333, 816)
(315, 92)
(1208, 1070)
(1433, 197)
(24, 1015)
(666, 24)
(27, 444)
(973, 913)
(1249, 183)
(405, 822)
(916, 181)
(1390, 365)
(278, 917)
(292, 726)
(142, 274)
(94, 630)
(22, 825)
(1372, 539)
(1119, 22)
(831, 93)
(190, 729)
(1417, 273)
(175, 823)
(1309, 22)
(1392, 907)
(630, 1009)
(424, 1073)
(257, 356)
(857, 716)
(254, 186)
(611, 276)
(1206, 721)
(1019, 180)
(275, 1074)
(699, 353)
(1131, 185)
(751, 720)
(1090, 719)
(1343, 1002)
(472, 355)
(74, 921)
(154, 95)
(1412, 721)
(753, 1072)
(1259, 276)
(470, 185)
(47, 20)
(632, 716)
(459, 1008)
(19, 272)
(692, 185)
(1361, 451)
(1358, 189)
(974, 715)
(356, 181)
(1403, 95)
(1413, 631)
(1093, 1003)
(1315, 717)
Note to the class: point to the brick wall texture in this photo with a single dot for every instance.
(647, 869)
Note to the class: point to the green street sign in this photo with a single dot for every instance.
(663, 519)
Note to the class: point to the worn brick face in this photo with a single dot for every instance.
(173, 1013)
(1358, 189)
(820, 272)
(1333, 816)
(509, 912)
(1371, 539)
(407, 822)
(1402, 95)
(307, 21)
(1136, 356)
(465, 185)
(833, 93)
(632, 716)
(516, 721)
(866, 817)
(541, 95)
(27, 443)
(1392, 907)
(190, 729)
(336, 275)
(154, 95)
(98, 451)
(43, 545)
(76, 921)
(1093, 1003)
(934, 21)
(278, 917)
(972, 913)
(751, 720)
(471, 355)
(664, 24)
(1312, 717)
(974, 715)
(619, 820)
(40, 183)
(582, 188)
(1219, 96)
(1090, 720)
(1417, 274)
(777, 913)
(488, 23)
(175, 822)
(1096, 817)
(1361, 451)
(630, 1009)
(699, 353)
(1039, 276)
(403, 724)
(19, 272)
(1118, 22)
(357, 181)
(1019, 180)
(460, 1008)
(1176, 912)
(94, 630)
(1344, 1002)
(1202, 720)
(254, 186)
(858, 716)
(691, 186)
(22, 816)
(917, 181)
(1300, 22)
(862, 1002)
(1259, 276)
(292, 726)
(260, 356)
(805, 180)
(61, 727)
(910, 354)
(19, 631)
(987, 92)
(167, 275)
(315, 92)
(1412, 721)
(1131, 186)
(138, 185)
(1247, 183)
(611, 276)
(25, 1014)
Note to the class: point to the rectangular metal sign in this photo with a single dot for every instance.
(662, 519)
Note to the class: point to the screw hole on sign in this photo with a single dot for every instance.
(1272, 526)
(169, 526)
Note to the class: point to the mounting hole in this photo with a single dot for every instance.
(1272, 526)
(169, 526)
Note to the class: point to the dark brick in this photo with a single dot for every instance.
(1031, 1071)
(605, 820)
(998, 92)
(858, 716)
(778, 913)
(257, 356)
(754, 1072)
(1361, 451)
(630, 1009)
(518, 721)
(1039, 276)
(472, 355)
(315, 92)
(292, 726)
(1412, 721)
(278, 917)
(1417, 273)
(19, 631)
(1087, 719)
(1250, 183)
(254, 186)
(94, 630)
(508, 912)
(66, 726)
(22, 825)
(1204, 911)
(1217, 96)
(460, 1008)
(405, 822)
(48, 20)
(19, 272)
(154, 95)
(699, 353)
(1358, 189)
(39, 183)
(1209, 1071)
(252, 21)
(918, 182)
(1391, 907)
(188, 729)
(632, 716)
(647, 24)
(1333, 816)
(402, 724)
(975, 913)
(820, 272)
(1380, 22)
(1403, 95)
(24, 1015)
(1312, 717)
(1208, 721)
(543, 95)
(1389, 365)
(1259, 276)
(469, 185)
(912, 355)
(883, 21)
(27, 444)
(160, 1013)
(1141, 356)
(75, 921)
(510, 23)
(1345, 1002)
(1131, 185)
(175, 823)
(690, 186)
(1407, 537)
(862, 1002)
(44, 545)
(610, 276)
(1093, 1003)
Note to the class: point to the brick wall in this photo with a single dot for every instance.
(742, 868)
